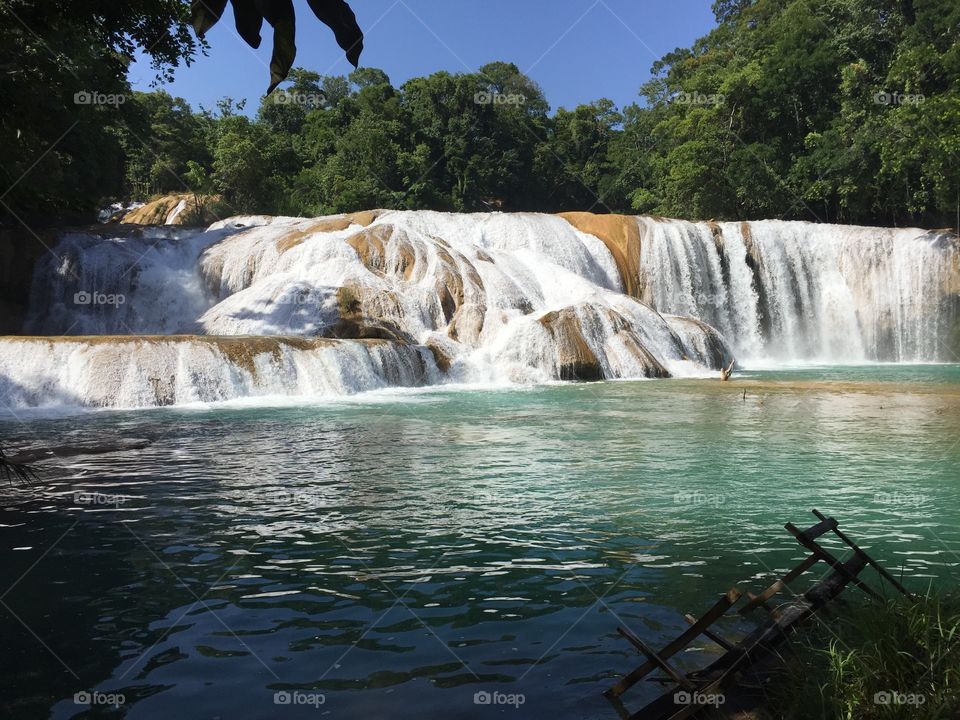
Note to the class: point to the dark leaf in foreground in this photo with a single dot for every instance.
(250, 14)
(206, 14)
(248, 21)
(338, 16)
(283, 19)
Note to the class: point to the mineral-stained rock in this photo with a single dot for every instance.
(328, 224)
(576, 360)
(172, 210)
(621, 235)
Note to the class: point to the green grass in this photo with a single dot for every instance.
(851, 662)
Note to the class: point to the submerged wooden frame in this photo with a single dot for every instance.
(684, 698)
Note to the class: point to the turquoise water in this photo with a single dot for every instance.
(397, 554)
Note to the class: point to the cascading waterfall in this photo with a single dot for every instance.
(259, 306)
(141, 282)
(323, 307)
(180, 370)
(793, 291)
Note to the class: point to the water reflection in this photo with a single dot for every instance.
(406, 556)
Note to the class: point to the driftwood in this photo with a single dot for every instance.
(690, 693)
(725, 373)
(62, 451)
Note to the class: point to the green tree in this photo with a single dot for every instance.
(64, 90)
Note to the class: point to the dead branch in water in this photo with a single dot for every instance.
(15, 472)
(725, 373)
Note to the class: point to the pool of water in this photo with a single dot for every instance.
(397, 554)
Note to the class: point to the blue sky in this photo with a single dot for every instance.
(578, 50)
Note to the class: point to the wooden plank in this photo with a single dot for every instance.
(825, 525)
(827, 557)
(770, 610)
(873, 563)
(765, 639)
(725, 644)
(678, 677)
(779, 585)
(680, 642)
(759, 643)
(620, 708)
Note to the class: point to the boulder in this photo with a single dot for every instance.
(175, 209)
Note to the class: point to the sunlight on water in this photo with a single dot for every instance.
(415, 549)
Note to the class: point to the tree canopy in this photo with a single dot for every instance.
(831, 110)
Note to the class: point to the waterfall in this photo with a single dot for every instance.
(180, 370)
(794, 291)
(322, 307)
(122, 283)
(405, 298)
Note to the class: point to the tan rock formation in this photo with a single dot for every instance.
(576, 360)
(175, 209)
(329, 224)
(621, 235)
